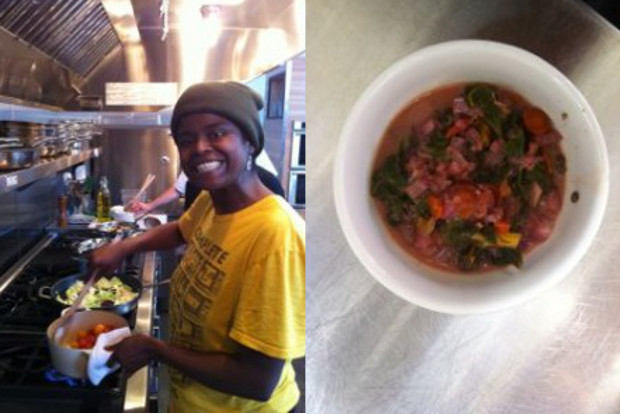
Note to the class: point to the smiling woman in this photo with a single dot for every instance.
(213, 151)
(218, 139)
(237, 299)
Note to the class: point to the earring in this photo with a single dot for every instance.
(248, 164)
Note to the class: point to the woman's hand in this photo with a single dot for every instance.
(133, 352)
(107, 258)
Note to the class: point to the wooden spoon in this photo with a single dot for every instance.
(59, 331)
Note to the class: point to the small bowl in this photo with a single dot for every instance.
(150, 222)
(458, 62)
(119, 214)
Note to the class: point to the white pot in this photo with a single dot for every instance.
(70, 361)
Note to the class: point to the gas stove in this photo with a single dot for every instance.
(28, 381)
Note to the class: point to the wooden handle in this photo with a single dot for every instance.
(147, 182)
(76, 304)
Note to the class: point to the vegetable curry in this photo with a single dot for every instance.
(469, 177)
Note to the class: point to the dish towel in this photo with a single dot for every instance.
(97, 363)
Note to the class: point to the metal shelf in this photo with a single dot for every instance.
(23, 103)
(15, 179)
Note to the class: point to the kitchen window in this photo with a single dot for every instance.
(298, 153)
(275, 103)
(297, 189)
(297, 175)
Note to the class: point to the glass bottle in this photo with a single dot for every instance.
(103, 201)
(62, 211)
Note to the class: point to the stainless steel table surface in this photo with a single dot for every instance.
(368, 350)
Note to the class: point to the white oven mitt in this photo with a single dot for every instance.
(97, 363)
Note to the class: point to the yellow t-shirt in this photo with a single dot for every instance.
(241, 281)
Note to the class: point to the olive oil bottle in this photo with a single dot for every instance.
(103, 201)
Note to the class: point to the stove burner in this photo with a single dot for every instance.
(21, 304)
(22, 355)
(27, 377)
(54, 376)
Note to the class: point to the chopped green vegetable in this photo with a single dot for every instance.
(519, 185)
(437, 145)
(482, 96)
(487, 175)
(480, 240)
(488, 231)
(457, 233)
(505, 256)
(387, 185)
(422, 208)
(515, 142)
(112, 290)
(444, 118)
(471, 258)
(407, 146)
(539, 174)
(389, 179)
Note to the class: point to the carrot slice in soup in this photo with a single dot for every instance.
(502, 227)
(536, 120)
(436, 206)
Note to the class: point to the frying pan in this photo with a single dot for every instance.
(59, 289)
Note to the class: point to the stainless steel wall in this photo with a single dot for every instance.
(129, 155)
(24, 213)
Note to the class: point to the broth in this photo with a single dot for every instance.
(469, 177)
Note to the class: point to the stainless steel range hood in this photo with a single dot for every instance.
(76, 33)
(54, 50)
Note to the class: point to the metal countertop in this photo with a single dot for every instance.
(137, 390)
(370, 351)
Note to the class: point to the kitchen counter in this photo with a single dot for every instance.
(138, 385)
(370, 351)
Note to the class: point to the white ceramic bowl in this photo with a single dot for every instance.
(465, 61)
(119, 214)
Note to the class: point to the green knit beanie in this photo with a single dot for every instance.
(231, 100)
